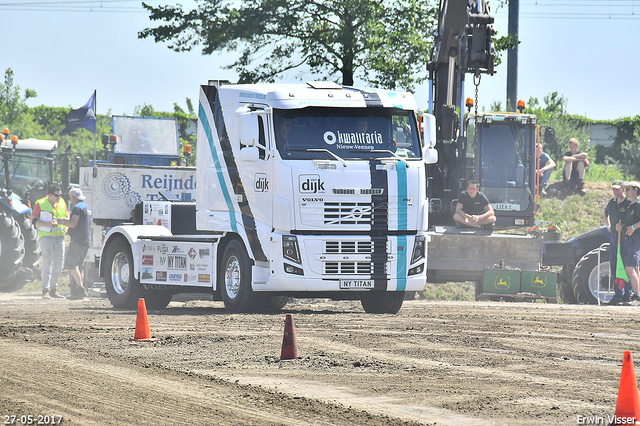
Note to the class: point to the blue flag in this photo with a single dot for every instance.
(82, 117)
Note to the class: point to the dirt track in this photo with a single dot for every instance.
(444, 363)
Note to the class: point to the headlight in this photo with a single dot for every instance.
(290, 248)
(418, 249)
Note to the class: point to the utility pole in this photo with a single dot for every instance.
(512, 57)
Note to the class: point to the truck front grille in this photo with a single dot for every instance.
(348, 268)
(336, 213)
(354, 257)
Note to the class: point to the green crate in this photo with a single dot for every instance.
(502, 281)
(542, 283)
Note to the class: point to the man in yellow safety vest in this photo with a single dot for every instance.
(47, 217)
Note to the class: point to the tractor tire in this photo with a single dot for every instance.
(382, 302)
(565, 291)
(235, 279)
(11, 249)
(123, 290)
(31, 260)
(32, 252)
(586, 281)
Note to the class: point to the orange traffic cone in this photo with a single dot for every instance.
(628, 405)
(289, 346)
(143, 334)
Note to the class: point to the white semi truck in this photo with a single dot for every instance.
(313, 190)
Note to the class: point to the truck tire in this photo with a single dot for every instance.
(382, 302)
(586, 279)
(123, 290)
(11, 249)
(274, 303)
(235, 280)
(157, 299)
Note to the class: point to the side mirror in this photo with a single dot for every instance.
(248, 125)
(250, 154)
(430, 156)
(429, 131)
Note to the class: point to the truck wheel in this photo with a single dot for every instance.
(157, 299)
(586, 280)
(11, 249)
(123, 290)
(235, 280)
(382, 302)
(274, 303)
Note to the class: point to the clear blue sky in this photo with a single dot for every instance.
(586, 50)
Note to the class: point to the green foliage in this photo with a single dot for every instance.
(450, 291)
(13, 106)
(553, 114)
(502, 44)
(345, 38)
(184, 118)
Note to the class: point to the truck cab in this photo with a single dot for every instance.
(313, 190)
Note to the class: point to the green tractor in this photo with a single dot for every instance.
(27, 168)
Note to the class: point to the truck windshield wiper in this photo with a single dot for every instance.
(392, 153)
(344, 163)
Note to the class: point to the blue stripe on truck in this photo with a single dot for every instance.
(202, 116)
(401, 269)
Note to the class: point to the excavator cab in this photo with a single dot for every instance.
(505, 153)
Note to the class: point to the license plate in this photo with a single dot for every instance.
(352, 284)
(507, 207)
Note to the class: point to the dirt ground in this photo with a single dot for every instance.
(434, 363)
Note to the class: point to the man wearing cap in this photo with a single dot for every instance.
(630, 244)
(79, 224)
(615, 212)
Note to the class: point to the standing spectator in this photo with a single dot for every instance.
(630, 249)
(615, 212)
(473, 208)
(79, 230)
(574, 165)
(47, 216)
(545, 168)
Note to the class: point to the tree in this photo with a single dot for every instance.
(13, 106)
(385, 43)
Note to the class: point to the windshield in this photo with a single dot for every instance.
(346, 132)
(504, 165)
(28, 171)
(147, 135)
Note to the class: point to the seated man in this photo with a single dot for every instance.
(473, 208)
(546, 166)
(574, 165)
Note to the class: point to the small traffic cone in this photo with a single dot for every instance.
(628, 405)
(289, 346)
(143, 334)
